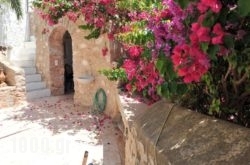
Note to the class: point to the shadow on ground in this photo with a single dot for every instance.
(60, 114)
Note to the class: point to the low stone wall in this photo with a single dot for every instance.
(166, 134)
(14, 93)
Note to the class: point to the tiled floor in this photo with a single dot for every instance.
(54, 131)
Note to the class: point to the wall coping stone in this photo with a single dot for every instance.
(186, 137)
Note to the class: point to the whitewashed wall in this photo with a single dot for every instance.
(13, 31)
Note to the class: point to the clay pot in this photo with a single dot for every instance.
(2, 76)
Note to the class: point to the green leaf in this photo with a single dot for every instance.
(161, 65)
(212, 51)
(204, 46)
(158, 89)
(183, 3)
(209, 19)
(173, 87)
(229, 41)
(86, 27)
(93, 34)
(181, 89)
(170, 70)
(165, 90)
(243, 7)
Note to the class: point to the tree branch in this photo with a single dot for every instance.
(241, 80)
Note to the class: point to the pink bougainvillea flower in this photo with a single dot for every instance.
(195, 27)
(130, 68)
(99, 22)
(217, 29)
(217, 40)
(219, 34)
(203, 34)
(111, 36)
(190, 62)
(202, 7)
(129, 87)
(72, 16)
(105, 2)
(199, 33)
(214, 5)
(134, 51)
(201, 18)
(180, 52)
(194, 39)
(144, 15)
(50, 21)
(104, 51)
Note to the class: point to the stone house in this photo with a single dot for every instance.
(63, 46)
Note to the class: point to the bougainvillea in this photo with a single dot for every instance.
(143, 78)
(191, 51)
(190, 62)
(167, 25)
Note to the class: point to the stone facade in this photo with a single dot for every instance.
(87, 60)
(15, 92)
(165, 133)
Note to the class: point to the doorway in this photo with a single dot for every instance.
(68, 64)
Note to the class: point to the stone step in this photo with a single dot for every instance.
(24, 63)
(26, 51)
(33, 78)
(36, 94)
(29, 70)
(35, 86)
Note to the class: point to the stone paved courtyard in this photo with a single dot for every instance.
(55, 131)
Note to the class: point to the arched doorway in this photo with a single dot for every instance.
(60, 61)
(68, 64)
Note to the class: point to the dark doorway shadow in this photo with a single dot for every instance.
(68, 64)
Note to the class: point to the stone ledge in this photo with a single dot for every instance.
(187, 137)
(15, 93)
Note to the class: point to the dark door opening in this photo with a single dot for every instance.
(68, 64)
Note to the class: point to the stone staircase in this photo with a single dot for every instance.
(35, 87)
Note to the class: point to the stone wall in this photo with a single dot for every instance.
(167, 134)
(15, 92)
(87, 60)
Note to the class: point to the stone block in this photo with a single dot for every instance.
(169, 134)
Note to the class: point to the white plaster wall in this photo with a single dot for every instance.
(12, 31)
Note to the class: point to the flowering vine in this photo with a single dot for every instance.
(193, 51)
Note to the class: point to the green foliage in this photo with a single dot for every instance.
(243, 7)
(139, 35)
(172, 88)
(136, 5)
(183, 3)
(15, 5)
(94, 34)
(114, 74)
(224, 88)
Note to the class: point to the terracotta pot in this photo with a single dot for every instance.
(2, 76)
